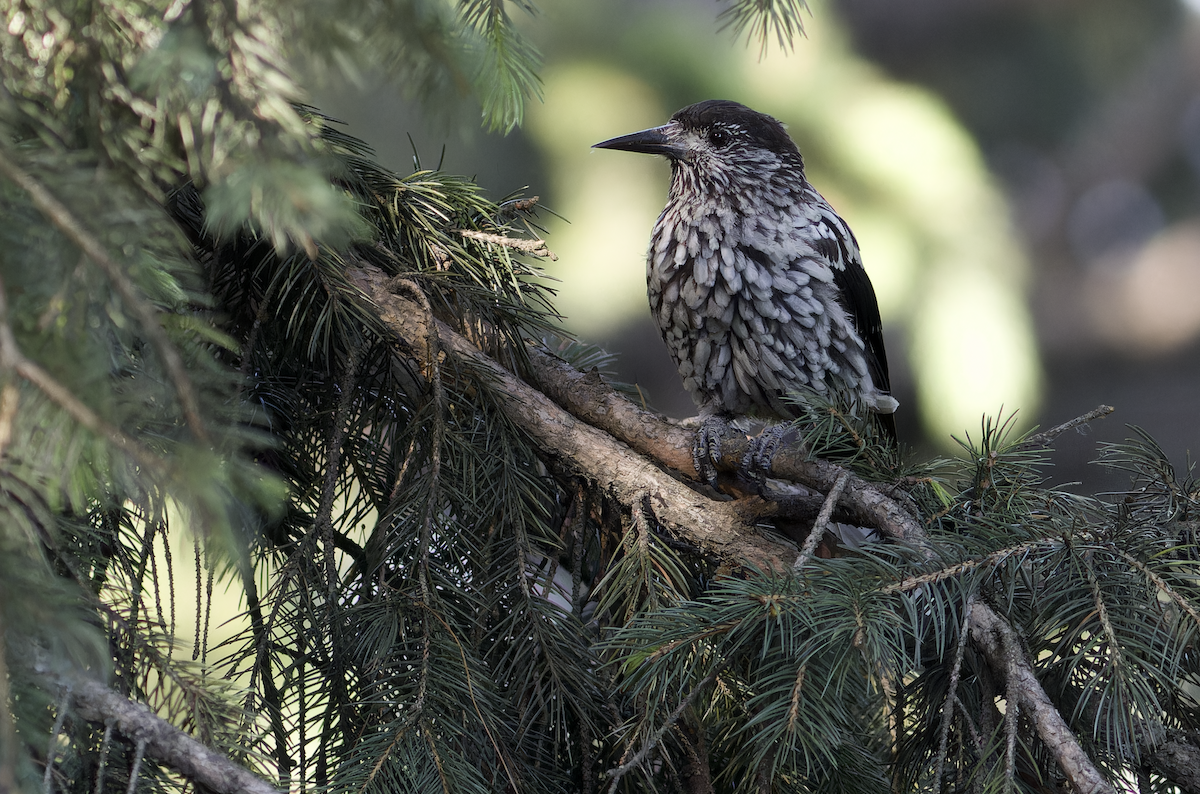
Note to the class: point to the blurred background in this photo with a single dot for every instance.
(1023, 177)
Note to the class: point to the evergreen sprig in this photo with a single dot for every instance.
(764, 20)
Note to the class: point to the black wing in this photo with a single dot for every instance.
(838, 245)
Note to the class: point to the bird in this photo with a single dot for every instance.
(755, 282)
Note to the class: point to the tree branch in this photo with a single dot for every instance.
(1001, 647)
(615, 775)
(163, 741)
(722, 528)
(1176, 758)
(1045, 438)
(11, 357)
(563, 396)
(593, 446)
(586, 396)
(818, 527)
(549, 416)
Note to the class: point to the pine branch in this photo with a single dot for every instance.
(760, 18)
(952, 689)
(719, 527)
(587, 397)
(615, 775)
(536, 247)
(1001, 646)
(1044, 439)
(163, 741)
(818, 527)
(1163, 587)
(12, 358)
(1177, 758)
(722, 527)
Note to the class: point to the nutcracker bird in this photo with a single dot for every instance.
(755, 282)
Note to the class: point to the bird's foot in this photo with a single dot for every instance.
(707, 449)
(756, 463)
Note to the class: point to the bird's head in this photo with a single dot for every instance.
(714, 137)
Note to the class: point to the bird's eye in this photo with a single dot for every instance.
(718, 137)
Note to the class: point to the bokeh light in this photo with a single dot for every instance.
(605, 205)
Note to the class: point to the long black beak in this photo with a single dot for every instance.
(652, 141)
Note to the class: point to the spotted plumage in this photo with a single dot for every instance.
(755, 282)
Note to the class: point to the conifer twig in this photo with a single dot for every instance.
(102, 763)
(1012, 710)
(1163, 586)
(164, 742)
(1000, 645)
(952, 690)
(136, 767)
(617, 773)
(147, 317)
(951, 571)
(535, 247)
(818, 528)
(1044, 439)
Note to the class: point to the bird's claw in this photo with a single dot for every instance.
(756, 463)
(707, 449)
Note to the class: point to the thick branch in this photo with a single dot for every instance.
(718, 527)
(1000, 645)
(1177, 759)
(586, 396)
(164, 742)
(589, 444)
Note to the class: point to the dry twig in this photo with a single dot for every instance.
(1044, 439)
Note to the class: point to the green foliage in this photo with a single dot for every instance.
(507, 68)
(432, 602)
(763, 18)
(806, 679)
